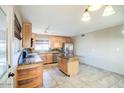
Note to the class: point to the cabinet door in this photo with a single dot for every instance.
(59, 63)
(44, 58)
(49, 58)
(64, 65)
(27, 33)
(68, 40)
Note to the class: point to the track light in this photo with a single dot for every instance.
(86, 15)
(108, 11)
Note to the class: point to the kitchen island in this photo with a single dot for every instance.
(29, 74)
(68, 65)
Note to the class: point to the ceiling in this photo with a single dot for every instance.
(65, 20)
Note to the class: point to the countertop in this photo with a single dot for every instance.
(70, 58)
(43, 52)
(32, 58)
(25, 66)
(66, 57)
(49, 52)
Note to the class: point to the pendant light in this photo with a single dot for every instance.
(108, 11)
(122, 32)
(86, 15)
(94, 7)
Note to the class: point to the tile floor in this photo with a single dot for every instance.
(88, 77)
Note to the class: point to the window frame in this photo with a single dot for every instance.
(40, 42)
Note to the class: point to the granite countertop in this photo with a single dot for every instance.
(70, 58)
(66, 57)
(32, 58)
(26, 66)
(49, 52)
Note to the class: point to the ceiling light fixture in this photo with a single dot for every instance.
(122, 32)
(94, 7)
(108, 11)
(86, 15)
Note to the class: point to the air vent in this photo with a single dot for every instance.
(82, 35)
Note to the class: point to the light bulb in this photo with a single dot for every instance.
(86, 16)
(108, 11)
(94, 7)
(122, 32)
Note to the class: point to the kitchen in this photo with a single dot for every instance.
(43, 50)
(51, 46)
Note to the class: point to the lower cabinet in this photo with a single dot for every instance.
(29, 76)
(47, 57)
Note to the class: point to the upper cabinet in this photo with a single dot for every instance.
(26, 34)
(54, 41)
(57, 41)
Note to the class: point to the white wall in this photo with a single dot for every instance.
(103, 49)
(41, 37)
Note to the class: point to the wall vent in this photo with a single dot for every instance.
(82, 35)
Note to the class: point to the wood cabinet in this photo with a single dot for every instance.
(62, 64)
(29, 76)
(54, 41)
(68, 66)
(44, 57)
(57, 41)
(47, 57)
(26, 34)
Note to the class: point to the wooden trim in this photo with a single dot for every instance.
(17, 28)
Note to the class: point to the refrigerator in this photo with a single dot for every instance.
(68, 49)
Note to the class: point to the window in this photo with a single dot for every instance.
(41, 45)
(3, 64)
(3, 43)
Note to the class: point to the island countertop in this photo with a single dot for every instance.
(70, 58)
(67, 57)
(27, 66)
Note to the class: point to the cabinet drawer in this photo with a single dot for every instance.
(34, 82)
(28, 71)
